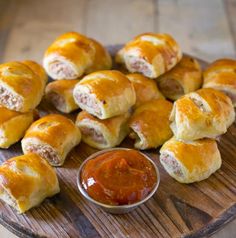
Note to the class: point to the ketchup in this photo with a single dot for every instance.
(119, 177)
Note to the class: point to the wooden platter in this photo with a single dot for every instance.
(176, 210)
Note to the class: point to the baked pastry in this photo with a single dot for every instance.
(102, 134)
(60, 94)
(102, 59)
(184, 78)
(105, 94)
(73, 54)
(190, 162)
(150, 54)
(221, 75)
(52, 137)
(25, 181)
(150, 124)
(13, 126)
(204, 113)
(145, 88)
(21, 85)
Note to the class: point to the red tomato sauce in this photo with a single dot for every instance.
(119, 177)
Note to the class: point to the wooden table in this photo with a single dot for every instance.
(206, 29)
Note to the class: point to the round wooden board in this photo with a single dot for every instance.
(176, 210)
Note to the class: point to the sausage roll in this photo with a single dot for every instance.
(105, 94)
(150, 124)
(221, 75)
(150, 54)
(102, 134)
(73, 54)
(102, 59)
(52, 137)
(60, 94)
(21, 85)
(145, 88)
(184, 78)
(204, 113)
(13, 126)
(190, 162)
(25, 181)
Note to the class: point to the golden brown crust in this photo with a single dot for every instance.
(73, 46)
(53, 129)
(105, 133)
(113, 92)
(73, 54)
(197, 153)
(107, 83)
(184, 78)
(37, 69)
(60, 94)
(155, 54)
(13, 126)
(145, 88)
(102, 59)
(204, 113)
(221, 75)
(197, 160)
(151, 124)
(6, 114)
(26, 81)
(28, 180)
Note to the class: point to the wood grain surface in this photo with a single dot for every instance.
(206, 29)
(176, 210)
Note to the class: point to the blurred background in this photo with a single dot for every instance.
(204, 28)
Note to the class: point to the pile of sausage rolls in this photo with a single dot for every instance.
(162, 99)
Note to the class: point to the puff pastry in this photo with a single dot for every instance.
(102, 59)
(13, 126)
(204, 113)
(184, 78)
(72, 54)
(52, 137)
(190, 162)
(150, 54)
(21, 85)
(105, 94)
(102, 134)
(221, 75)
(25, 181)
(145, 88)
(60, 94)
(150, 124)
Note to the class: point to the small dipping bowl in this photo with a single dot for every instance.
(116, 209)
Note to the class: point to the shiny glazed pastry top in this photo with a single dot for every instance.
(221, 75)
(21, 85)
(105, 94)
(73, 54)
(145, 88)
(150, 54)
(60, 94)
(52, 137)
(204, 113)
(150, 125)
(190, 162)
(25, 181)
(184, 78)
(13, 126)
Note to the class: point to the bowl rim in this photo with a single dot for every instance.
(107, 206)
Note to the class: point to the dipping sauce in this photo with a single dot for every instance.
(119, 177)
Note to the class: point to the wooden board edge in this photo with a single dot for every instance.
(17, 229)
(213, 227)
